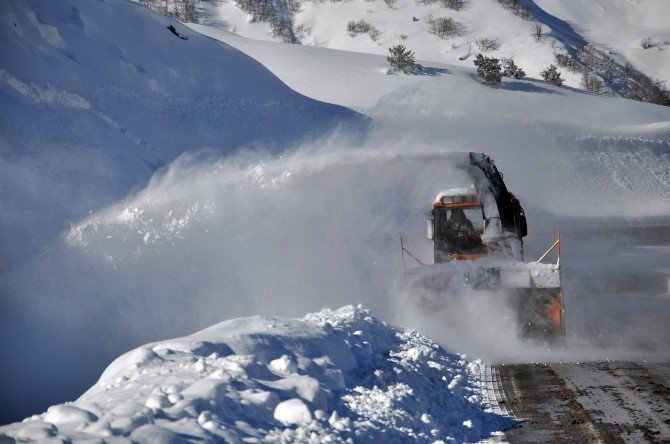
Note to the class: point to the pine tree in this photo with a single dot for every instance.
(510, 69)
(488, 69)
(402, 60)
(552, 75)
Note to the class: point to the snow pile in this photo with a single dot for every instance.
(332, 376)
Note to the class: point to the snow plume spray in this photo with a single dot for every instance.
(211, 239)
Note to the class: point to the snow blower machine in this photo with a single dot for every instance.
(477, 235)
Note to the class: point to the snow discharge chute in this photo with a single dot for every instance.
(485, 255)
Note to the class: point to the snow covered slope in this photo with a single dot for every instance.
(617, 25)
(330, 377)
(324, 24)
(582, 151)
(97, 95)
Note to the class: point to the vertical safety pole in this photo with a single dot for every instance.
(560, 292)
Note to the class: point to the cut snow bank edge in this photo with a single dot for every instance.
(335, 375)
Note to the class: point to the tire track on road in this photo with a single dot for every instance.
(539, 397)
(595, 402)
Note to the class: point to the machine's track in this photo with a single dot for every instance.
(608, 402)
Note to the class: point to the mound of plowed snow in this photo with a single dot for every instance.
(329, 377)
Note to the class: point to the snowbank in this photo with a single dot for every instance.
(333, 376)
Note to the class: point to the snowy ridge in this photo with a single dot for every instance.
(333, 376)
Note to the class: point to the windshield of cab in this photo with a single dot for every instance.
(473, 214)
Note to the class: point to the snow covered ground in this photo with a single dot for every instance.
(325, 25)
(103, 94)
(333, 376)
(568, 138)
(98, 96)
(302, 223)
(618, 26)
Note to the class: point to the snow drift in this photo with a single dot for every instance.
(332, 376)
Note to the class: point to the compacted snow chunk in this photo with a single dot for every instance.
(332, 376)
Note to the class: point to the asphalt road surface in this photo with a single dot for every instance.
(607, 402)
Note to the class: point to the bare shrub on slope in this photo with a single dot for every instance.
(282, 27)
(565, 60)
(362, 27)
(646, 89)
(647, 43)
(183, 10)
(522, 11)
(538, 32)
(456, 5)
(601, 74)
(444, 26)
(593, 83)
(486, 44)
(276, 12)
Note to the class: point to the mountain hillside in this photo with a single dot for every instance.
(98, 95)
(620, 27)
(499, 28)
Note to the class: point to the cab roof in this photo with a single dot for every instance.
(470, 194)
